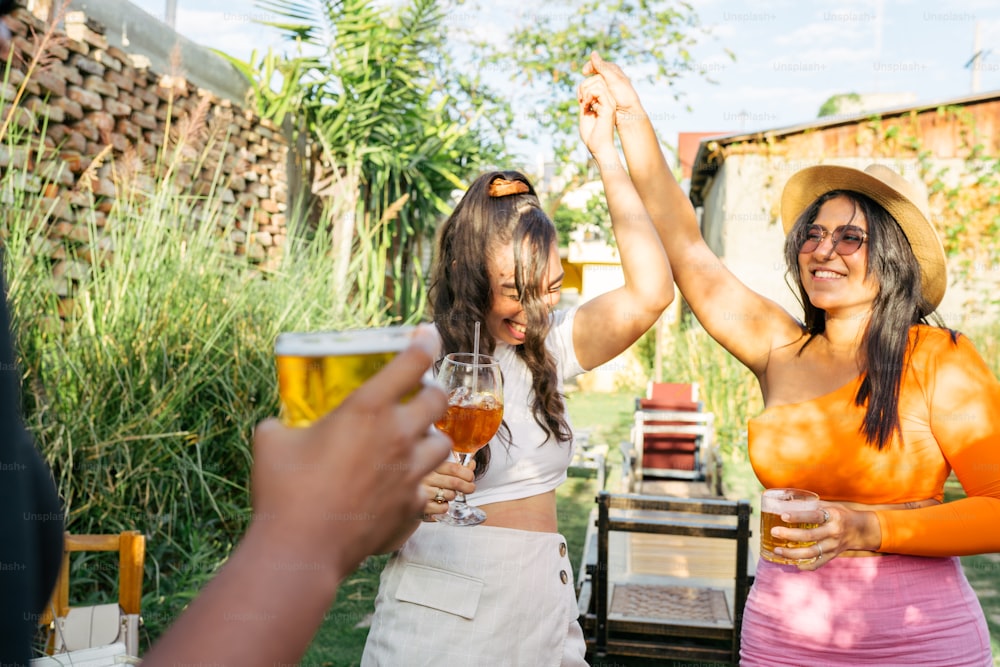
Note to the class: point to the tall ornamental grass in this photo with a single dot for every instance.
(142, 385)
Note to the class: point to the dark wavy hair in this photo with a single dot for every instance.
(460, 292)
(898, 306)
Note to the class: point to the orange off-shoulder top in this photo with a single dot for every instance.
(949, 411)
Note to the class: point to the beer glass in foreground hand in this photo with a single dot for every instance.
(775, 502)
(475, 409)
(318, 370)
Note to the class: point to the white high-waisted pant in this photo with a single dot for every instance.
(477, 595)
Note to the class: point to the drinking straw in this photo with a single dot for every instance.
(475, 360)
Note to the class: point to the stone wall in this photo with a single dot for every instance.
(90, 110)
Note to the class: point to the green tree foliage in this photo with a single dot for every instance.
(594, 214)
(417, 95)
(834, 103)
(371, 88)
(547, 44)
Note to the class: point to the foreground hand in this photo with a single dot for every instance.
(843, 528)
(448, 478)
(343, 488)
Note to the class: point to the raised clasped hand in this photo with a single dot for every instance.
(619, 86)
(597, 115)
(841, 529)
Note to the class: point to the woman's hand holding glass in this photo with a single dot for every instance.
(444, 484)
(474, 385)
(842, 529)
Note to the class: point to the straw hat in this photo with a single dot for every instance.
(905, 201)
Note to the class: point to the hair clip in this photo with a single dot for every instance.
(500, 187)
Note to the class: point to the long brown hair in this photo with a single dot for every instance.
(460, 292)
(898, 306)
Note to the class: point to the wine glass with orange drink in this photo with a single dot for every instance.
(474, 385)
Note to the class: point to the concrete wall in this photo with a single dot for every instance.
(741, 226)
(94, 106)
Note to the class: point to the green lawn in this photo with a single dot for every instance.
(984, 575)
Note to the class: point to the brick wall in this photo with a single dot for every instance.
(103, 110)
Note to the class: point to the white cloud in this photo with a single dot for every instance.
(721, 31)
(989, 32)
(833, 57)
(234, 31)
(824, 32)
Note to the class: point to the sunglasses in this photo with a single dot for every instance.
(846, 239)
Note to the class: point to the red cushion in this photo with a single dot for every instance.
(674, 452)
(654, 404)
(672, 392)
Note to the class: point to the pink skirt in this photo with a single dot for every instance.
(888, 611)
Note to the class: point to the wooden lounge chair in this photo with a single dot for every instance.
(672, 438)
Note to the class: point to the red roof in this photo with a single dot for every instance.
(687, 148)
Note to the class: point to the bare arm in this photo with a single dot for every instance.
(623, 314)
(263, 608)
(324, 499)
(716, 296)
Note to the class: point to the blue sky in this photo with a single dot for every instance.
(791, 55)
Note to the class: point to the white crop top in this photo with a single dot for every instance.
(527, 467)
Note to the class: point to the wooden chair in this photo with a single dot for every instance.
(670, 578)
(672, 437)
(101, 634)
(673, 393)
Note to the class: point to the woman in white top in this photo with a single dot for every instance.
(501, 593)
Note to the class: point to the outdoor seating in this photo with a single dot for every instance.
(590, 459)
(674, 395)
(666, 578)
(672, 438)
(96, 635)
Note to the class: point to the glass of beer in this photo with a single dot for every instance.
(775, 502)
(318, 370)
(474, 386)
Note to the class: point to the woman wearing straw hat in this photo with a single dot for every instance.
(502, 593)
(866, 403)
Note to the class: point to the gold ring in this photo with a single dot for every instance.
(439, 498)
